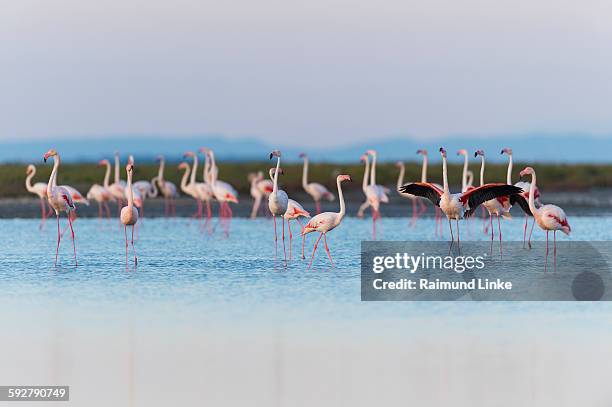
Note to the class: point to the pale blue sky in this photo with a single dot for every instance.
(309, 72)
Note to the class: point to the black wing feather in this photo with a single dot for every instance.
(421, 190)
(487, 193)
(519, 199)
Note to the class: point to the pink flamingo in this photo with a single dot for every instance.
(117, 188)
(522, 198)
(224, 193)
(39, 189)
(101, 193)
(326, 221)
(375, 193)
(186, 187)
(500, 206)
(260, 188)
(364, 185)
(466, 184)
(295, 211)
(200, 191)
(206, 190)
(278, 202)
(548, 217)
(457, 206)
(416, 201)
(166, 188)
(60, 200)
(314, 189)
(129, 213)
(438, 212)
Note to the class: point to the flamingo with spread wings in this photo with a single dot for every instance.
(459, 205)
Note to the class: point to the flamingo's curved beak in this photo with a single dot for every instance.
(271, 155)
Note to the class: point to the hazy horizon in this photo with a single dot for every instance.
(322, 73)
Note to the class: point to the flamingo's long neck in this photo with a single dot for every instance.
(206, 169)
(445, 175)
(373, 171)
(107, 174)
(275, 187)
(162, 166)
(116, 168)
(184, 179)
(424, 169)
(213, 168)
(154, 190)
(400, 178)
(366, 172)
(28, 181)
(509, 175)
(341, 198)
(532, 189)
(305, 173)
(130, 195)
(482, 168)
(464, 173)
(192, 180)
(53, 176)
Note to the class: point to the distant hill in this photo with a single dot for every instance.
(570, 148)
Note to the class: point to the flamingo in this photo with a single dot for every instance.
(117, 188)
(500, 206)
(375, 193)
(466, 184)
(207, 191)
(457, 206)
(40, 189)
(326, 221)
(294, 211)
(260, 188)
(186, 186)
(548, 217)
(129, 213)
(167, 188)
(314, 189)
(278, 201)
(414, 200)
(223, 192)
(364, 185)
(101, 193)
(200, 191)
(60, 200)
(438, 213)
(523, 198)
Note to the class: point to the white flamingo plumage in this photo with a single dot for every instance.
(314, 189)
(458, 206)
(526, 187)
(224, 193)
(548, 217)
(201, 191)
(117, 188)
(166, 188)
(278, 201)
(101, 193)
(327, 221)
(500, 206)
(60, 200)
(40, 190)
(294, 211)
(129, 214)
(376, 194)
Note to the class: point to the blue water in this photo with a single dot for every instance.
(184, 274)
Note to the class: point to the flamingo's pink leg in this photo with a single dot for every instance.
(491, 226)
(414, 212)
(107, 208)
(73, 241)
(303, 237)
(318, 207)
(283, 237)
(530, 232)
(290, 239)
(165, 207)
(99, 211)
(525, 231)
(133, 248)
(327, 249)
(450, 227)
(43, 212)
(59, 237)
(230, 215)
(314, 250)
(126, 246)
(458, 239)
(555, 250)
(501, 249)
(275, 239)
(546, 263)
(484, 218)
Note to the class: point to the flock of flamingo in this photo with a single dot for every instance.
(494, 198)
